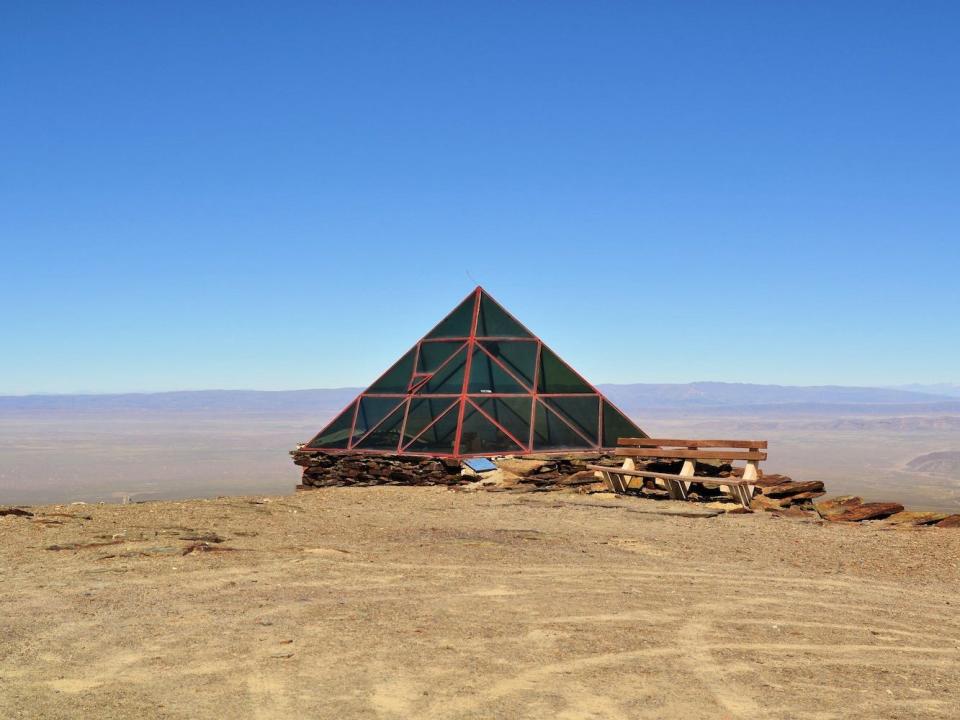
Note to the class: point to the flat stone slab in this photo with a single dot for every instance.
(908, 517)
(837, 505)
(785, 489)
(867, 511)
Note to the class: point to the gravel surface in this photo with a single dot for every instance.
(422, 602)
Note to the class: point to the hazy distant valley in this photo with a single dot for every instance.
(891, 443)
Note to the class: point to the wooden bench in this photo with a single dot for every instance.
(741, 489)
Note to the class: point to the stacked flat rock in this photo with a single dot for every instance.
(526, 474)
(779, 492)
(323, 470)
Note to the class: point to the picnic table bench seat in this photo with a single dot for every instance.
(741, 489)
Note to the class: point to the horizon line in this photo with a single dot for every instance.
(904, 387)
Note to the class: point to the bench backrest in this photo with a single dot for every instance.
(751, 450)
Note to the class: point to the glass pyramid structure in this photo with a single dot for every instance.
(478, 384)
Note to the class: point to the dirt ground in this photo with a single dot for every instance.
(422, 602)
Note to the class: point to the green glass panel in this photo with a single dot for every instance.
(551, 433)
(557, 377)
(371, 411)
(480, 436)
(422, 412)
(494, 321)
(439, 437)
(387, 435)
(518, 355)
(434, 354)
(417, 379)
(487, 376)
(581, 412)
(617, 425)
(337, 433)
(513, 413)
(397, 378)
(457, 323)
(449, 378)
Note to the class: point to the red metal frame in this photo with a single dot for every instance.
(470, 344)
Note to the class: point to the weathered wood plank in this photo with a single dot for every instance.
(690, 454)
(705, 479)
(665, 442)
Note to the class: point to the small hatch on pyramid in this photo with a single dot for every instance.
(479, 384)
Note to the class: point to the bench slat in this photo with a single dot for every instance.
(664, 442)
(668, 476)
(690, 454)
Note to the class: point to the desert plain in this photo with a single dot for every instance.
(203, 444)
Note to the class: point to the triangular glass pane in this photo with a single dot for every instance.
(488, 377)
(397, 378)
(479, 436)
(449, 378)
(557, 377)
(434, 354)
(371, 411)
(422, 412)
(457, 323)
(511, 412)
(494, 321)
(336, 434)
(581, 412)
(551, 433)
(617, 425)
(440, 436)
(518, 355)
(387, 435)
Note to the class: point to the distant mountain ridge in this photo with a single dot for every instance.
(951, 389)
(270, 401)
(719, 394)
(706, 397)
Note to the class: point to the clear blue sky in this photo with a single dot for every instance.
(287, 195)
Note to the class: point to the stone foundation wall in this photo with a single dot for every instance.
(322, 470)
(530, 473)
